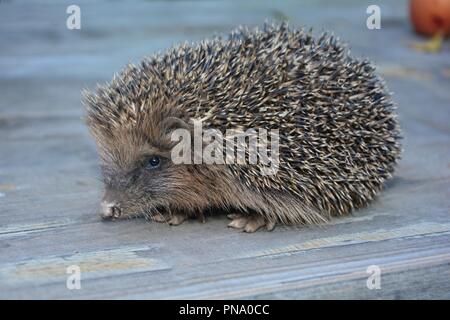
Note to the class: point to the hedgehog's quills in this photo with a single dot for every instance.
(339, 136)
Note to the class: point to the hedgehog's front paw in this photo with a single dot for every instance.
(173, 219)
(177, 219)
(160, 217)
(249, 223)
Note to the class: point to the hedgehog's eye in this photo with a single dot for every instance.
(154, 162)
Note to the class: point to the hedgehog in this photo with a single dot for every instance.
(337, 128)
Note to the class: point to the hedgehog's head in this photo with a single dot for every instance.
(131, 120)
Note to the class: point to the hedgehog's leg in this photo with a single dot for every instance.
(201, 217)
(160, 217)
(173, 219)
(177, 219)
(250, 223)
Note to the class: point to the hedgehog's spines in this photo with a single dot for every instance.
(339, 135)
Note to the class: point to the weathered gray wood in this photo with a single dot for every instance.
(49, 187)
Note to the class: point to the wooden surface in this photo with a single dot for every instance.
(49, 187)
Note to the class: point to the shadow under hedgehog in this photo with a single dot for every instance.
(338, 131)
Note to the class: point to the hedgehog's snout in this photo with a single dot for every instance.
(110, 210)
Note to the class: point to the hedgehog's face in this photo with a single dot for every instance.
(132, 120)
(140, 186)
(140, 178)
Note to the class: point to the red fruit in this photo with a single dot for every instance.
(430, 17)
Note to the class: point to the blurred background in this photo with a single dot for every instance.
(49, 187)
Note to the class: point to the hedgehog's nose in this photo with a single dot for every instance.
(110, 210)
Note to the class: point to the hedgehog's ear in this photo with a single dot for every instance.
(170, 124)
(173, 123)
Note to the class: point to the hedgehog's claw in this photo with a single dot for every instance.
(201, 217)
(238, 222)
(270, 225)
(177, 219)
(249, 223)
(160, 217)
(233, 216)
(173, 219)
